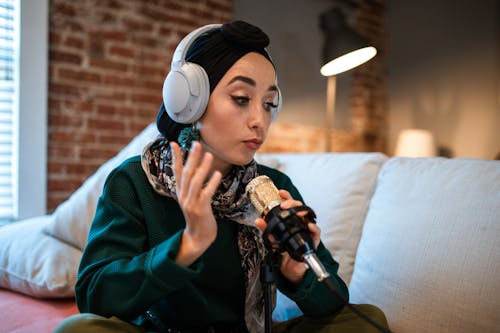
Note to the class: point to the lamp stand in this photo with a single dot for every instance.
(331, 87)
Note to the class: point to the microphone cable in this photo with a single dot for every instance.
(363, 316)
(285, 227)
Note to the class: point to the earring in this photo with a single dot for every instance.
(187, 136)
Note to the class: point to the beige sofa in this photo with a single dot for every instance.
(420, 238)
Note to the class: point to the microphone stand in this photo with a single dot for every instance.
(267, 280)
(292, 236)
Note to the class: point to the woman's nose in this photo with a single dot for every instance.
(256, 117)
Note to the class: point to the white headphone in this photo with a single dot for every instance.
(186, 89)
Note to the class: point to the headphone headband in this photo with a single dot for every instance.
(181, 50)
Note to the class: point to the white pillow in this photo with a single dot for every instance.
(73, 217)
(338, 187)
(34, 263)
(429, 255)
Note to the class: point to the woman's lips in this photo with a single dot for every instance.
(253, 144)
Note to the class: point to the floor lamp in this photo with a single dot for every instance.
(343, 49)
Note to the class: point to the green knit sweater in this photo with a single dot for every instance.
(128, 264)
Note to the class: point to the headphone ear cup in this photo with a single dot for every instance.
(278, 101)
(186, 91)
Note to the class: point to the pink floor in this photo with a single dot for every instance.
(24, 314)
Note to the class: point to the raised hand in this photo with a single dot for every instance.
(195, 189)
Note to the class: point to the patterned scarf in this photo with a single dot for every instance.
(229, 202)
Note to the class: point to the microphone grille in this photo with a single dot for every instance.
(263, 194)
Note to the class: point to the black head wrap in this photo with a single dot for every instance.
(216, 51)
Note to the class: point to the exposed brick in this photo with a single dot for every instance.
(114, 95)
(64, 8)
(157, 15)
(368, 100)
(62, 136)
(112, 4)
(100, 124)
(136, 25)
(65, 57)
(62, 153)
(64, 184)
(146, 41)
(109, 35)
(76, 169)
(76, 106)
(147, 71)
(93, 153)
(56, 167)
(58, 120)
(74, 42)
(118, 80)
(118, 140)
(79, 75)
(54, 38)
(125, 52)
(107, 63)
(153, 97)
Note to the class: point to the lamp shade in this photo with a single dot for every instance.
(415, 143)
(343, 48)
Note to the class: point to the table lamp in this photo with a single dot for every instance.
(414, 142)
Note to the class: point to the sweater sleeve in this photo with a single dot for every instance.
(121, 273)
(313, 297)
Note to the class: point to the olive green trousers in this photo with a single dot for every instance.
(345, 321)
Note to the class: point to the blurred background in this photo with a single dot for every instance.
(89, 76)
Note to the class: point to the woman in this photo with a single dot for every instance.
(175, 245)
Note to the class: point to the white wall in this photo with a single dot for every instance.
(444, 73)
(33, 100)
(443, 68)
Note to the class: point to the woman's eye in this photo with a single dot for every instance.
(241, 100)
(268, 106)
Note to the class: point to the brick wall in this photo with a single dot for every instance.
(368, 99)
(107, 63)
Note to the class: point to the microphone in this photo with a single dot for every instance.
(289, 229)
(292, 234)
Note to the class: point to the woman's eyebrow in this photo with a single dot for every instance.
(245, 79)
(250, 81)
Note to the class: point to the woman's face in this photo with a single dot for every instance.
(239, 112)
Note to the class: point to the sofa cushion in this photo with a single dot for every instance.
(34, 263)
(24, 314)
(429, 254)
(73, 217)
(338, 186)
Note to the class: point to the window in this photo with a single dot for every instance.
(7, 93)
(23, 108)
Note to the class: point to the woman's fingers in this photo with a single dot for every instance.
(315, 233)
(212, 185)
(289, 202)
(261, 224)
(189, 170)
(178, 164)
(198, 178)
(191, 178)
